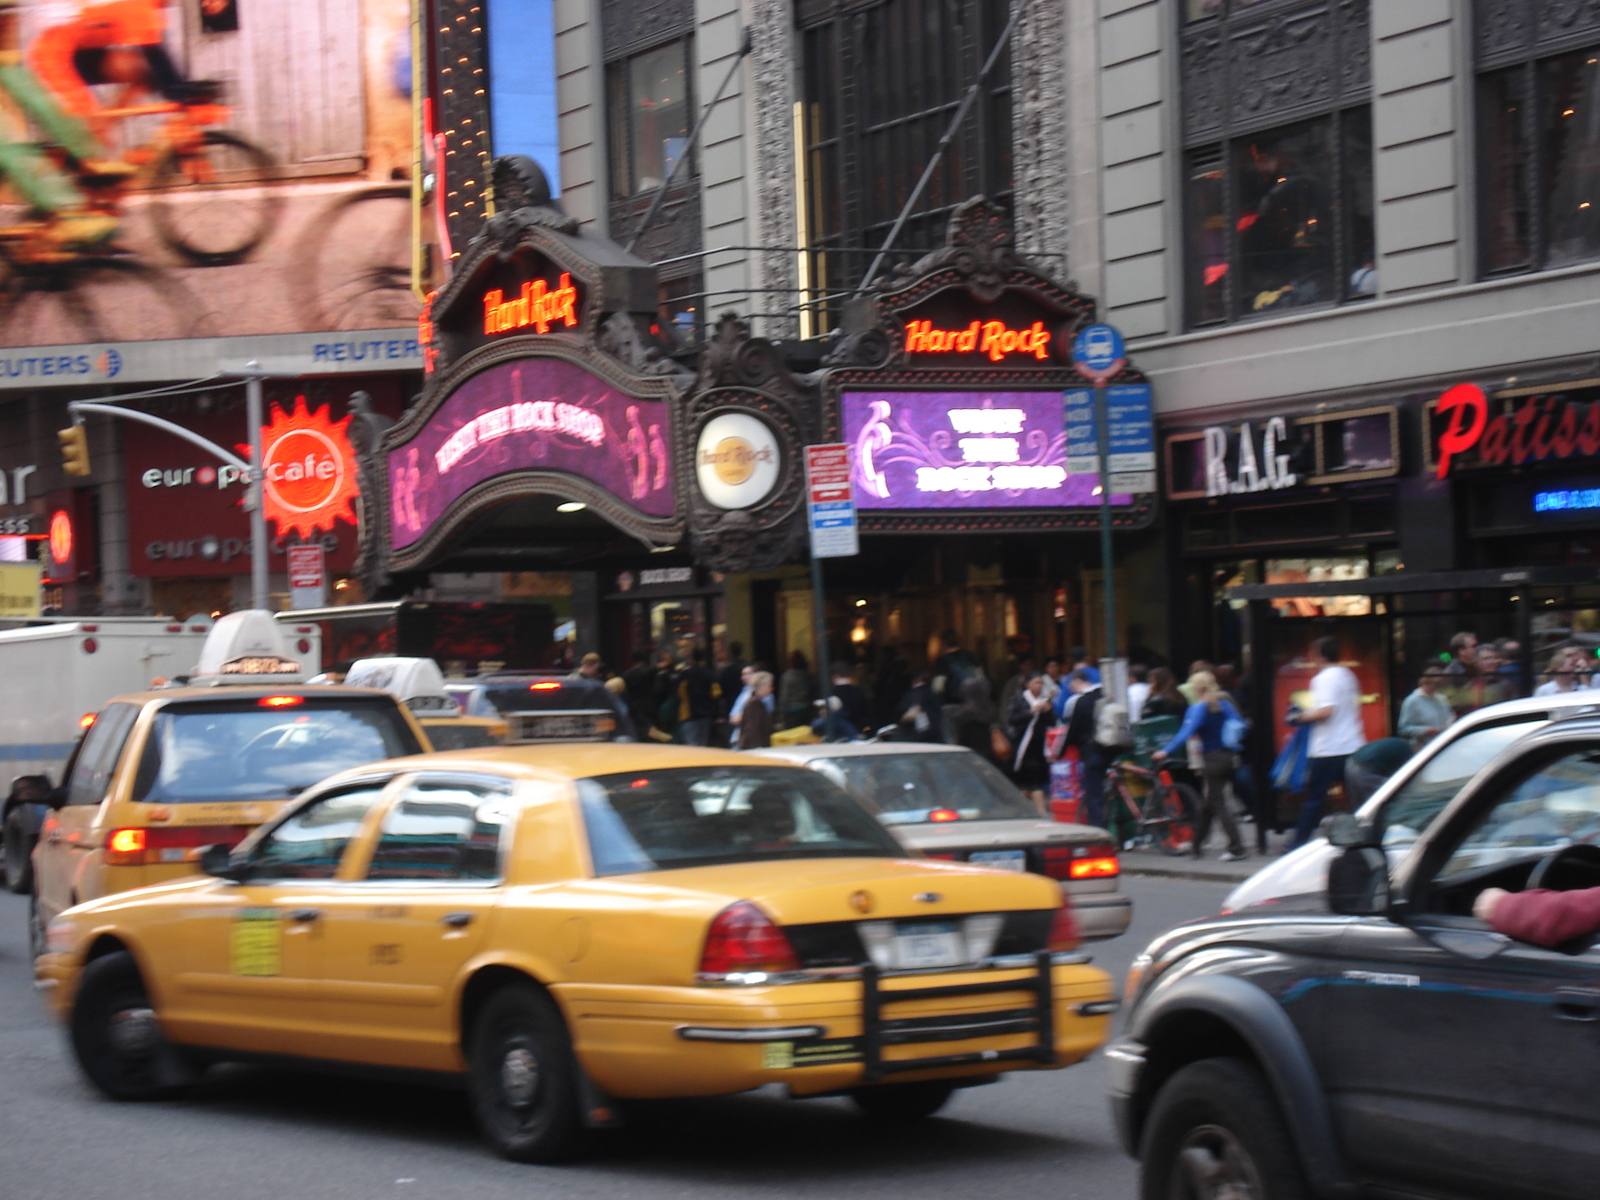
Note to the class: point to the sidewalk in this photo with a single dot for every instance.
(1211, 868)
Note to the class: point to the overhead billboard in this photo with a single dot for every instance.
(273, 205)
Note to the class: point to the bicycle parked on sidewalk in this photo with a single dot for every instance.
(1146, 808)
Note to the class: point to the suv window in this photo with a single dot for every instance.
(97, 757)
(1408, 813)
(443, 829)
(1554, 807)
(310, 844)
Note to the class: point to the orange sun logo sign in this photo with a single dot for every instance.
(310, 469)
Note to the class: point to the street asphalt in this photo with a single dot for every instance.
(253, 1133)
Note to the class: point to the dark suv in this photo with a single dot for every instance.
(1377, 1039)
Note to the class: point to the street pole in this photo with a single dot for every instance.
(1102, 434)
(253, 495)
(820, 619)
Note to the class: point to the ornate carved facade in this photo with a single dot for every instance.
(1273, 63)
(1039, 132)
(1509, 31)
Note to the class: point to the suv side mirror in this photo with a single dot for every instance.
(217, 860)
(1358, 882)
(1342, 829)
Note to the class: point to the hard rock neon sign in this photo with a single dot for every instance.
(539, 306)
(991, 339)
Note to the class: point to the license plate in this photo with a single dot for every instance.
(1000, 860)
(939, 945)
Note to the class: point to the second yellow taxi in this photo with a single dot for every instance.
(564, 927)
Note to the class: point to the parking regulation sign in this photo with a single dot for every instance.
(831, 502)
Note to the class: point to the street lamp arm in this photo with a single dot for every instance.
(111, 410)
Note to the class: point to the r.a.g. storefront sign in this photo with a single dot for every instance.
(1467, 428)
(536, 416)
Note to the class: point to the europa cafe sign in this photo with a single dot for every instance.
(1469, 430)
(310, 470)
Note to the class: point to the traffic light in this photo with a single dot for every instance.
(75, 450)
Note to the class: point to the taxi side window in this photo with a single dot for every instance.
(310, 844)
(97, 757)
(446, 830)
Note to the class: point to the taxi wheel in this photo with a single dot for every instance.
(524, 1079)
(19, 868)
(902, 1101)
(116, 1035)
(1216, 1133)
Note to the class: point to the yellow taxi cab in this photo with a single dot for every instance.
(562, 927)
(158, 776)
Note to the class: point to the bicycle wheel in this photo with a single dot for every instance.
(1179, 805)
(354, 261)
(216, 205)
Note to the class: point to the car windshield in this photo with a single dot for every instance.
(905, 789)
(1411, 809)
(247, 750)
(700, 816)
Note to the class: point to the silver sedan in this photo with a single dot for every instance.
(946, 802)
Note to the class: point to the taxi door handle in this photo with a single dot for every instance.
(304, 914)
(1577, 1004)
(456, 920)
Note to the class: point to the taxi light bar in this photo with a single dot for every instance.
(260, 664)
(280, 701)
(742, 938)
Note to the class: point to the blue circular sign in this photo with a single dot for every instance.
(1097, 347)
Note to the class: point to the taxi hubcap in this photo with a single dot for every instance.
(519, 1077)
(134, 1030)
(1212, 1165)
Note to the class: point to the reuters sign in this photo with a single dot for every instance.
(736, 460)
(310, 470)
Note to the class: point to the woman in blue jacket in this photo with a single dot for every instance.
(1206, 718)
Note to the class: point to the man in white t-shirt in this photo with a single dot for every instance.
(1336, 733)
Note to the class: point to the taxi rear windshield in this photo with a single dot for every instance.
(907, 789)
(695, 817)
(250, 750)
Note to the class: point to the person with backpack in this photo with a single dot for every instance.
(1217, 723)
(1083, 732)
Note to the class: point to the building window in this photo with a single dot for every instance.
(1278, 203)
(1281, 219)
(1539, 124)
(651, 114)
(881, 83)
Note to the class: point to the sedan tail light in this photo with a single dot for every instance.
(1063, 933)
(1088, 861)
(741, 939)
(179, 844)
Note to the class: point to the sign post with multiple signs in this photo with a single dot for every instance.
(835, 533)
(1098, 354)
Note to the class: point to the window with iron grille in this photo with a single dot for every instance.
(1278, 199)
(1538, 134)
(882, 80)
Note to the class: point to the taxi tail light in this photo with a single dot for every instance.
(1096, 861)
(939, 854)
(178, 844)
(1063, 933)
(743, 938)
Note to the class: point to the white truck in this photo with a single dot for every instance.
(55, 675)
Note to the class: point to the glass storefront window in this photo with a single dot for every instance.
(1507, 217)
(1320, 570)
(1571, 119)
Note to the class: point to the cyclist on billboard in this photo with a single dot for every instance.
(83, 43)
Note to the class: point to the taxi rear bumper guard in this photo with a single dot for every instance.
(879, 1031)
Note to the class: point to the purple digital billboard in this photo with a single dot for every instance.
(914, 450)
(533, 414)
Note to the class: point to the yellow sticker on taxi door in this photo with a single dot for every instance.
(256, 942)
